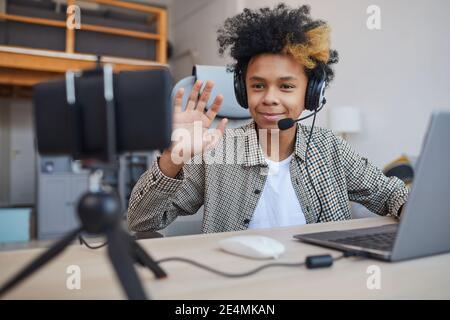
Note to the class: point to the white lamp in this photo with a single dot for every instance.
(344, 120)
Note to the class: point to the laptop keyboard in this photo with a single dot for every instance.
(379, 241)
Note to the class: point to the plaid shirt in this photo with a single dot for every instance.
(230, 190)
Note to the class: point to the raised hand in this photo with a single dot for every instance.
(190, 134)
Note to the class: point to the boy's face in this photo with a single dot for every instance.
(276, 86)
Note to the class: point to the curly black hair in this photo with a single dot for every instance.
(266, 30)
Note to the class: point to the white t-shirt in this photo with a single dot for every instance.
(278, 205)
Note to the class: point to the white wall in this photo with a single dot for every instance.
(194, 26)
(396, 75)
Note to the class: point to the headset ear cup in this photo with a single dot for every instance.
(307, 98)
(236, 86)
(243, 92)
(240, 91)
(314, 92)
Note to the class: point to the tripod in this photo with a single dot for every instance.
(99, 209)
(100, 214)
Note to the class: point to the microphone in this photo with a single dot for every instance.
(286, 123)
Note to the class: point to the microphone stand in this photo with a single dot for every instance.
(100, 214)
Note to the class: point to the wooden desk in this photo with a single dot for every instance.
(347, 279)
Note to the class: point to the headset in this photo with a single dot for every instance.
(315, 90)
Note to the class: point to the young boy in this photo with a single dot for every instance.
(282, 177)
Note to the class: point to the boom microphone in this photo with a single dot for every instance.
(286, 123)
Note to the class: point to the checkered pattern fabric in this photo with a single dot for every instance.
(230, 187)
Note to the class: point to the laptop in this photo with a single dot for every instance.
(424, 227)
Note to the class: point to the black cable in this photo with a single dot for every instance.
(306, 164)
(312, 114)
(82, 241)
(238, 275)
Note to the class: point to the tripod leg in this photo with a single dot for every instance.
(120, 251)
(146, 260)
(52, 252)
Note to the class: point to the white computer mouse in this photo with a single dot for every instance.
(253, 246)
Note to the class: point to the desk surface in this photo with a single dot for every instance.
(347, 279)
